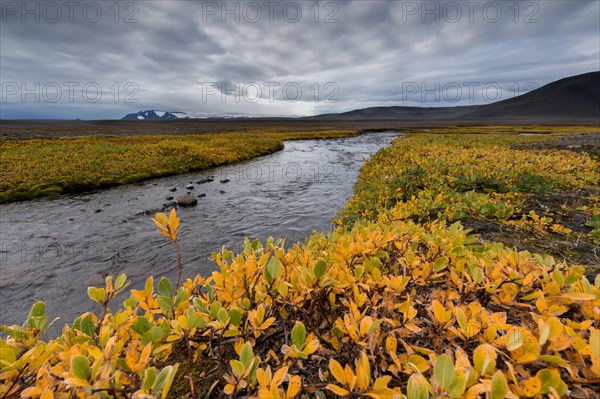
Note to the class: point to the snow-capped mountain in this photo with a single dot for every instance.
(155, 114)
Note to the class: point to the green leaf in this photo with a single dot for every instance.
(256, 246)
(237, 367)
(156, 333)
(320, 269)
(440, 263)
(38, 309)
(461, 318)
(417, 387)
(165, 303)
(235, 317)
(222, 315)
(7, 357)
(376, 324)
(165, 288)
(553, 359)
(499, 385)
(551, 378)
(87, 325)
(96, 294)
(80, 365)
(149, 378)
(359, 270)
(120, 281)
(165, 379)
(214, 308)
(129, 302)
(141, 325)
(299, 334)
(181, 296)
(477, 274)
(272, 269)
(444, 371)
(458, 387)
(246, 354)
(196, 321)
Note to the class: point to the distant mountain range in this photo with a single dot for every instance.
(155, 114)
(573, 98)
(162, 115)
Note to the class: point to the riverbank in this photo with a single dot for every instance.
(38, 160)
(32, 168)
(536, 193)
(399, 300)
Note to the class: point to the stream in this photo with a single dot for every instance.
(53, 249)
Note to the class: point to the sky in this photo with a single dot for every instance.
(104, 59)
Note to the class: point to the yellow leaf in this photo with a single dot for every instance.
(363, 373)
(311, 345)
(365, 324)
(439, 311)
(30, 392)
(47, 394)
(532, 386)
(595, 342)
(579, 296)
(228, 390)
(279, 376)
(475, 391)
(560, 343)
(264, 377)
(350, 377)
(267, 323)
(544, 329)
(337, 371)
(484, 359)
(514, 340)
(337, 390)
(391, 344)
(418, 363)
(293, 387)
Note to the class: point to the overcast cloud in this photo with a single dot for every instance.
(283, 57)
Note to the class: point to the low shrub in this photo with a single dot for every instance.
(386, 309)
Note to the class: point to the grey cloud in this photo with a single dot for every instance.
(372, 53)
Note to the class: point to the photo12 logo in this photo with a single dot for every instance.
(270, 11)
(69, 11)
(68, 92)
(471, 11)
(466, 92)
(254, 92)
(43, 252)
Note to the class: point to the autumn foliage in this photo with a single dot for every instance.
(382, 308)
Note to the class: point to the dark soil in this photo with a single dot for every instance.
(207, 374)
(589, 143)
(577, 249)
(562, 205)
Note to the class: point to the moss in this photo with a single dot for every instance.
(40, 167)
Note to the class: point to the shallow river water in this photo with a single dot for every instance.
(53, 249)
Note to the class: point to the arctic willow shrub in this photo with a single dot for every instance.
(388, 309)
(481, 176)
